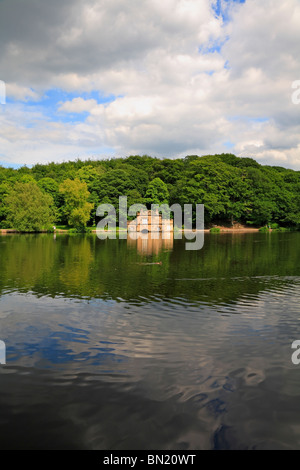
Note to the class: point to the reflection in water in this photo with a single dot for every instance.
(150, 243)
(108, 350)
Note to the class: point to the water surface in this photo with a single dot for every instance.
(108, 351)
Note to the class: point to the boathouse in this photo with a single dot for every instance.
(150, 221)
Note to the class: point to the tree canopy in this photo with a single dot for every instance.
(75, 207)
(28, 209)
(232, 189)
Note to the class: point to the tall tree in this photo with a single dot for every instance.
(157, 192)
(29, 209)
(76, 208)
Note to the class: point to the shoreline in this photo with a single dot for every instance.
(222, 230)
(237, 230)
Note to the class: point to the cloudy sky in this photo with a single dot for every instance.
(167, 78)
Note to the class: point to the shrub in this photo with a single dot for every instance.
(264, 229)
(282, 229)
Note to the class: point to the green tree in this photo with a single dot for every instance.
(230, 187)
(28, 208)
(51, 187)
(157, 192)
(76, 208)
(4, 191)
(89, 174)
(113, 184)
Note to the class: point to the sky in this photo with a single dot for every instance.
(94, 79)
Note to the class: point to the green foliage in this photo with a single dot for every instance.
(81, 229)
(157, 192)
(215, 230)
(282, 229)
(89, 174)
(28, 208)
(51, 187)
(232, 189)
(76, 207)
(112, 185)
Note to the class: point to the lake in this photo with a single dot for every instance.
(106, 350)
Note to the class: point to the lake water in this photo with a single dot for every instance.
(106, 351)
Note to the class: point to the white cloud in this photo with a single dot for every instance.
(77, 105)
(176, 92)
(21, 93)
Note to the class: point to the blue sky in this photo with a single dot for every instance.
(220, 8)
(51, 100)
(91, 79)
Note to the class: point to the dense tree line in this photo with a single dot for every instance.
(231, 188)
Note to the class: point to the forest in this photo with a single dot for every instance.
(66, 195)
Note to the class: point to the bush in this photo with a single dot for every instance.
(215, 230)
(282, 229)
(264, 229)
